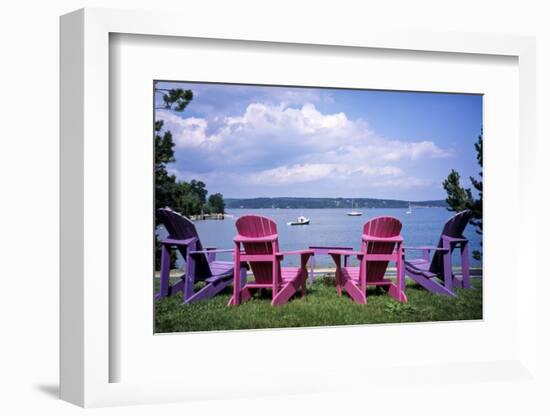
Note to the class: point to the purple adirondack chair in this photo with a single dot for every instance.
(200, 262)
(437, 275)
(257, 243)
(381, 243)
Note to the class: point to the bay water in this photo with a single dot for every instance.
(334, 227)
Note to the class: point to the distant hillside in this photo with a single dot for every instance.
(255, 203)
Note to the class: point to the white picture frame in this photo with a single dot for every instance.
(86, 356)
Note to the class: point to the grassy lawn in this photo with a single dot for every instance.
(320, 307)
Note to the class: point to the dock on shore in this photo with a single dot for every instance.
(201, 217)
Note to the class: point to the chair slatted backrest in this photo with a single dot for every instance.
(181, 228)
(453, 228)
(255, 226)
(379, 227)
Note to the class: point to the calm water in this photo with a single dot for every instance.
(333, 227)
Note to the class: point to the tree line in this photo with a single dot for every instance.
(460, 198)
(187, 198)
(315, 203)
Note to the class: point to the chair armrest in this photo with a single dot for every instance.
(173, 242)
(424, 248)
(345, 253)
(208, 250)
(296, 252)
(454, 239)
(396, 239)
(304, 256)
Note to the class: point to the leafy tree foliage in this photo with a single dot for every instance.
(176, 99)
(477, 204)
(164, 146)
(198, 188)
(165, 184)
(460, 198)
(217, 204)
(187, 198)
(188, 201)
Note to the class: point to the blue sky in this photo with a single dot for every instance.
(251, 141)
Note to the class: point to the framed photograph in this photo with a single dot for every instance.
(339, 178)
(282, 200)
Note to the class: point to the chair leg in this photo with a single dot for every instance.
(338, 275)
(398, 291)
(430, 284)
(466, 282)
(363, 278)
(338, 278)
(164, 289)
(356, 294)
(244, 295)
(275, 278)
(284, 294)
(397, 294)
(209, 291)
(311, 271)
(447, 267)
(238, 284)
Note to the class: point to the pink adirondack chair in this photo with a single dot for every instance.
(257, 243)
(381, 243)
(436, 275)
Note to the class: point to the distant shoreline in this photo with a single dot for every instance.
(228, 216)
(319, 203)
(343, 208)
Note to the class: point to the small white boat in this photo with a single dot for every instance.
(409, 211)
(301, 220)
(353, 213)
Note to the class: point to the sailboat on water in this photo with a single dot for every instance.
(354, 213)
(409, 211)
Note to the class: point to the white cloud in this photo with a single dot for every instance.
(396, 150)
(289, 125)
(279, 145)
(317, 171)
(293, 174)
(187, 132)
(408, 182)
(262, 119)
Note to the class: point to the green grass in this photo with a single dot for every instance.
(321, 307)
